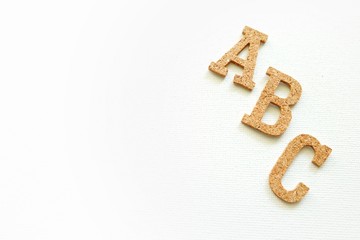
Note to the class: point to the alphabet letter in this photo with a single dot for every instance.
(268, 96)
(252, 38)
(321, 152)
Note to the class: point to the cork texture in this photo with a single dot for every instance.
(251, 38)
(268, 96)
(321, 153)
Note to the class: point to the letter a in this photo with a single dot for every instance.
(253, 39)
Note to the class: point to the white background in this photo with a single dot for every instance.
(112, 127)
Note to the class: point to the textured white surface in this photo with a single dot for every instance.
(113, 128)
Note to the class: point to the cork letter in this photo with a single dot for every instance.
(251, 38)
(268, 96)
(321, 153)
